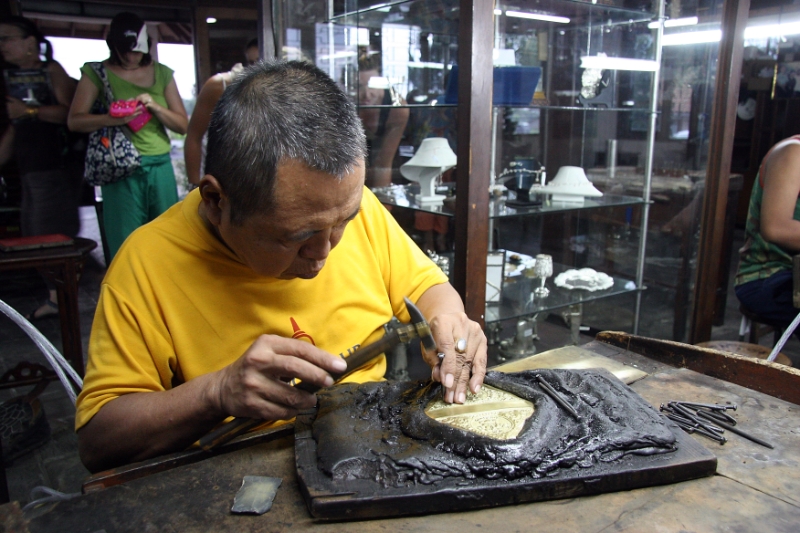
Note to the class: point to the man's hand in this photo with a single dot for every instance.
(256, 385)
(463, 344)
(137, 426)
(460, 339)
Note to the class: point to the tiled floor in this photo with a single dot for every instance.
(56, 464)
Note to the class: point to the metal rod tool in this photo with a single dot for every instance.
(698, 417)
(560, 400)
(738, 431)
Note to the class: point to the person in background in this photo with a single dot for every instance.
(434, 230)
(383, 125)
(251, 52)
(763, 282)
(194, 144)
(132, 74)
(37, 138)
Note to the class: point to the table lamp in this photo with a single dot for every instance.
(433, 157)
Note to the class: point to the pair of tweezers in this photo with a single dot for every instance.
(560, 400)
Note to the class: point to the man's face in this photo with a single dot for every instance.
(310, 212)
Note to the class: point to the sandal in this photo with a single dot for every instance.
(47, 310)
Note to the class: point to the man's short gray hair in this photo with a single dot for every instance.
(273, 112)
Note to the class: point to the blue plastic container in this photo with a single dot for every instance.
(512, 85)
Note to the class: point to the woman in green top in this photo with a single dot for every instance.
(132, 74)
(764, 279)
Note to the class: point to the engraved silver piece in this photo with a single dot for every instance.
(543, 269)
(442, 261)
(586, 279)
(590, 82)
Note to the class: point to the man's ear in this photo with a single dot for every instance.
(213, 199)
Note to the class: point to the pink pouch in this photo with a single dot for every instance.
(124, 108)
(138, 122)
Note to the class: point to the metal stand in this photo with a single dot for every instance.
(573, 316)
(521, 345)
(493, 330)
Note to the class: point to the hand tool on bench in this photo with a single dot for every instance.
(417, 328)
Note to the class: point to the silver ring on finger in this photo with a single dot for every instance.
(461, 345)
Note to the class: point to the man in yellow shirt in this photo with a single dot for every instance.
(277, 266)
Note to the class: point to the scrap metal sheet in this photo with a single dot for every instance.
(573, 358)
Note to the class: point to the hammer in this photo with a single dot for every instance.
(417, 328)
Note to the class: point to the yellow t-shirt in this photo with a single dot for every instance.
(176, 303)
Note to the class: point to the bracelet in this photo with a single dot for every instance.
(32, 112)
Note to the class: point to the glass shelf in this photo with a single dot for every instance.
(408, 106)
(530, 106)
(418, 45)
(517, 300)
(613, 11)
(405, 196)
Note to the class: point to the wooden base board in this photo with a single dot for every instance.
(356, 499)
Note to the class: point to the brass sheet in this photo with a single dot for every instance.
(492, 413)
(574, 358)
(500, 415)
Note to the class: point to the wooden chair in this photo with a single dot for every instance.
(753, 326)
(22, 419)
(796, 281)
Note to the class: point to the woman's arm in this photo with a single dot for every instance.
(63, 85)
(80, 118)
(381, 170)
(193, 145)
(174, 115)
(781, 190)
(63, 88)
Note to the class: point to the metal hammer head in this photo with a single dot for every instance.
(421, 325)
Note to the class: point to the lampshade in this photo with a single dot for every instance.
(433, 157)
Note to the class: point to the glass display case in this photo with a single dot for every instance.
(574, 85)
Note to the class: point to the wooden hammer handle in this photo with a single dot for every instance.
(228, 431)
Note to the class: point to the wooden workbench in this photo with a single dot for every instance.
(755, 488)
